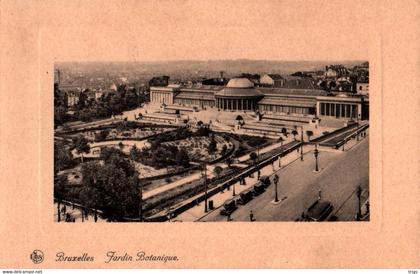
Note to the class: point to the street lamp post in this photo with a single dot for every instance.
(281, 150)
(169, 215)
(233, 191)
(141, 202)
(359, 195)
(276, 180)
(301, 143)
(344, 142)
(316, 152)
(205, 187)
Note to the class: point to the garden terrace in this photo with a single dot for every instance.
(288, 119)
(160, 117)
(262, 128)
(180, 108)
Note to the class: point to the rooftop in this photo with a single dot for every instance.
(240, 83)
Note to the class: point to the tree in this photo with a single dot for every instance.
(239, 119)
(60, 115)
(212, 145)
(82, 146)
(218, 170)
(101, 136)
(284, 131)
(135, 153)
(82, 101)
(90, 194)
(121, 145)
(309, 133)
(202, 131)
(253, 156)
(182, 157)
(85, 115)
(281, 140)
(60, 192)
(229, 161)
(294, 133)
(112, 187)
(63, 158)
(224, 149)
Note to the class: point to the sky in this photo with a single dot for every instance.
(208, 30)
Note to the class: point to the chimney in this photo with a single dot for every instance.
(221, 74)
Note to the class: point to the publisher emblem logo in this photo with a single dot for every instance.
(37, 256)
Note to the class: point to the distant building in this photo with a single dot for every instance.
(100, 93)
(289, 82)
(336, 71)
(72, 94)
(343, 85)
(271, 80)
(316, 75)
(72, 98)
(90, 94)
(362, 88)
(113, 87)
(240, 94)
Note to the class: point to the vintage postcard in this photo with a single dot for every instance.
(211, 134)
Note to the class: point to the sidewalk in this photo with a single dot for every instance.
(197, 212)
(74, 213)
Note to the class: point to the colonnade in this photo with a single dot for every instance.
(236, 104)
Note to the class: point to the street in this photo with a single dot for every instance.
(340, 173)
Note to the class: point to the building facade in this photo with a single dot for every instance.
(240, 94)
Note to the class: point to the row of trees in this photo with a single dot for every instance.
(63, 159)
(111, 103)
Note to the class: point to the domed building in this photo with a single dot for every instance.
(239, 94)
(291, 103)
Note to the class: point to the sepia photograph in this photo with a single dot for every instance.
(181, 134)
(237, 140)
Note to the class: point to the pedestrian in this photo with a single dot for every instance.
(251, 216)
(228, 217)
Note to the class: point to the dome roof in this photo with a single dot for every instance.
(240, 83)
